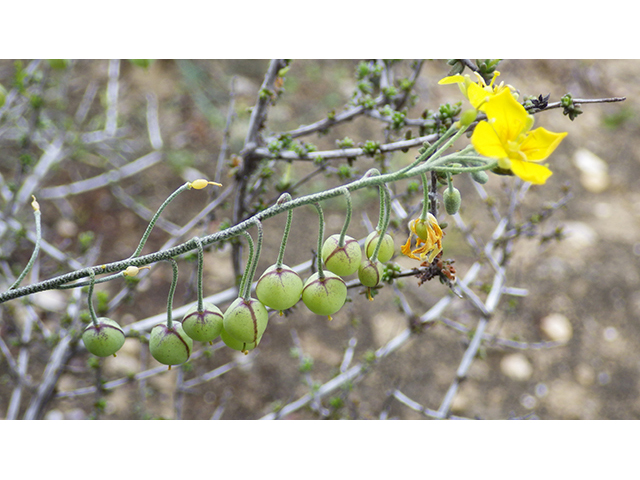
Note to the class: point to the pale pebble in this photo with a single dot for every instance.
(556, 327)
(594, 171)
(516, 366)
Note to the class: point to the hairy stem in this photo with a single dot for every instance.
(36, 249)
(368, 180)
(287, 228)
(200, 275)
(320, 238)
(172, 291)
(347, 219)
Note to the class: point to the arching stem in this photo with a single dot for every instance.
(385, 217)
(200, 275)
(34, 255)
(425, 201)
(320, 239)
(172, 291)
(285, 197)
(92, 312)
(245, 275)
(347, 219)
(252, 262)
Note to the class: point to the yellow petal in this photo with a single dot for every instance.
(412, 226)
(530, 172)
(486, 141)
(508, 118)
(540, 143)
(434, 253)
(422, 250)
(478, 96)
(451, 79)
(435, 226)
(406, 249)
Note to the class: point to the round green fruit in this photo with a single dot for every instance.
(343, 260)
(324, 296)
(231, 342)
(103, 339)
(203, 326)
(370, 273)
(246, 320)
(279, 287)
(170, 346)
(387, 249)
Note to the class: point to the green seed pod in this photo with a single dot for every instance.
(387, 249)
(343, 260)
(370, 273)
(324, 296)
(231, 342)
(103, 339)
(451, 200)
(203, 326)
(468, 117)
(279, 287)
(170, 346)
(246, 320)
(480, 177)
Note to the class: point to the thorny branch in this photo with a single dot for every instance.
(495, 251)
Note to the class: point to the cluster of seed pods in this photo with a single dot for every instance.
(242, 325)
(244, 322)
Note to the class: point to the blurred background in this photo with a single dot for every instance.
(173, 121)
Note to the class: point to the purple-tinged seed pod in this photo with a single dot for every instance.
(246, 320)
(170, 346)
(279, 287)
(203, 326)
(324, 296)
(343, 260)
(104, 339)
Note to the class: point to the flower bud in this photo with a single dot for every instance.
(468, 117)
(451, 197)
(132, 271)
(202, 183)
(480, 177)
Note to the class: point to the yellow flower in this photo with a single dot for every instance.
(506, 137)
(477, 93)
(428, 241)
